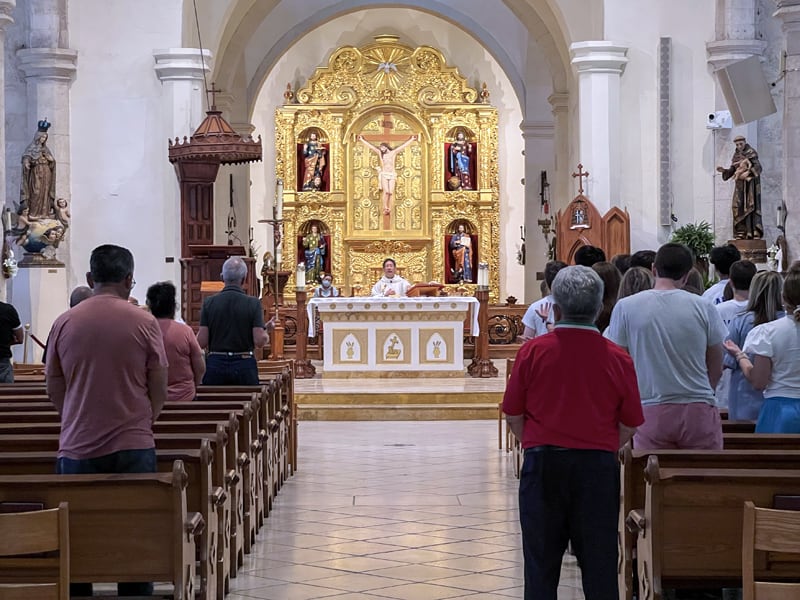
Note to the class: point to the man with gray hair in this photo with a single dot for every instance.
(231, 326)
(571, 426)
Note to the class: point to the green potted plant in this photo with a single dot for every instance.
(699, 238)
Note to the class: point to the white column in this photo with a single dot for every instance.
(40, 295)
(789, 12)
(560, 189)
(736, 31)
(6, 6)
(600, 65)
(539, 156)
(180, 71)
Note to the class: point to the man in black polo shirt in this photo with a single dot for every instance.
(10, 334)
(231, 325)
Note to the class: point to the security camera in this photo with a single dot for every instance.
(720, 119)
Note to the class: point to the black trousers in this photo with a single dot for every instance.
(569, 496)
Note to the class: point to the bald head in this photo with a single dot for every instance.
(79, 294)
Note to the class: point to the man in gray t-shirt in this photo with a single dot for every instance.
(675, 340)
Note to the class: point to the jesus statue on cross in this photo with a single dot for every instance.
(387, 175)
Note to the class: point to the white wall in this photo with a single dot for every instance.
(415, 28)
(640, 24)
(121, 178)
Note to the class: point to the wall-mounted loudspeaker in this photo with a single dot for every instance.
(746, 90)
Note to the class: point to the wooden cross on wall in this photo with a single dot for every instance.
(581, 174)
(388, 134)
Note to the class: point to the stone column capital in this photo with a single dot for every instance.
(6, 10)
(181, 64)
(537, 130)
(721, 53)
(57, 64)
(599, 56)
(559, 101)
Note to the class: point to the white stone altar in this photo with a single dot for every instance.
(393, 337)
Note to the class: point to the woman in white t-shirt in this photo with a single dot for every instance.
(775, 368)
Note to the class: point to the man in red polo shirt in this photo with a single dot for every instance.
(573, 400)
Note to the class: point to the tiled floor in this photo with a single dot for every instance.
(394, 510)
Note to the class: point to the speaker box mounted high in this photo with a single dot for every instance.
(746, 90)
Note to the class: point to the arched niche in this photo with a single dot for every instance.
(313, 160)
(461, 159)
(461, 252)
(314, 249)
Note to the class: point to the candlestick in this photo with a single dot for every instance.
(780, 214)
(7, 220)
(301, 276)
(483, 275)
(279, 200)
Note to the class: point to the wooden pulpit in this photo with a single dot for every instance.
(204, 266)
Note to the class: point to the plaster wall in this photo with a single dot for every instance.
(639, 24)
(417, 28)
(124, 190)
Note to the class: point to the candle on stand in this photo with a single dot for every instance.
(301, 276)
(780, 214)
(483, 275)
(279, 200)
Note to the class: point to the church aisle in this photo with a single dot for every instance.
(394, 510)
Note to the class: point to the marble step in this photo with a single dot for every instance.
(396, 412)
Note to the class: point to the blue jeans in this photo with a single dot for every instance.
(124, 461)
(569, 495)
(230, 370)
(6, 371)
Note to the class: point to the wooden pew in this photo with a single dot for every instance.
(221, 473)
(764, 441)
(633, 486)
(123, 528)
(690, 531)
(237, 462)
(201, 496)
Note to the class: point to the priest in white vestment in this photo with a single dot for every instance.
(391, 284)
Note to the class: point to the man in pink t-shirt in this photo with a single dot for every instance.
(107, 376)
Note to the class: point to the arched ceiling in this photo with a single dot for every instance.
(246, 53)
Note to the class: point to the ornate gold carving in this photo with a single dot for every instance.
(389, 90)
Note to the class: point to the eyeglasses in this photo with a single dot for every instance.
(133, 282)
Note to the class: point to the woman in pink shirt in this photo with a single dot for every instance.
(186, 364)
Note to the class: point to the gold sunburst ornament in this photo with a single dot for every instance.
(388, 66)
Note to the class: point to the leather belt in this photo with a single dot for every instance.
(248, 354)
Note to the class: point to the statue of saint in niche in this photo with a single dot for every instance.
(314, 250)
(745, 170)
(461, 251)
(460, 157)
(314, 163)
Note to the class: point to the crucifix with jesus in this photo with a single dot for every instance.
(387, 173)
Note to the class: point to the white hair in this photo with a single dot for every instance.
(234, 270)
(578, 292)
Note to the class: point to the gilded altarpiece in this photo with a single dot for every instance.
(388, 92)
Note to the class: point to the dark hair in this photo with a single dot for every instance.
(551, 269)
(722, 257)
(161, 299)
(391, 260)
(643, 258)
(622, 262)
(110, 264)
(673, 261)
(742, 273)
(694, 282)
(791, 290)
(611, 279)
(588, 255)
(727, 291)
